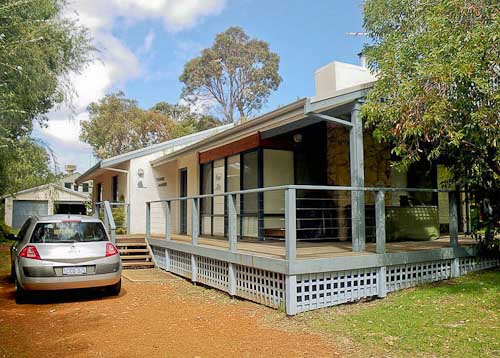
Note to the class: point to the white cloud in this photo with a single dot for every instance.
(116, 63)
(148, 42)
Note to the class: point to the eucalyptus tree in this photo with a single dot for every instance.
(237, 73)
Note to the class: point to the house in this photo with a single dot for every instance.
(129, 179)
(46, 199)
(298, 208)
(68, 180)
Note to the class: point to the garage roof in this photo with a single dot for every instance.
(84, 197)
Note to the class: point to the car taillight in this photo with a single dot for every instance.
(110, 249)
(30, 252)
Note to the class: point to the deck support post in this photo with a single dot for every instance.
(194, 268)
(453, 218)
(382, 282)
(167, 260)
(290, 224)
(195, 221)
(380, 222)
(168, 221)
(232, 279)
(356, 162)
(148, 220)
(233, 239)
(455, 267)
(291, 295)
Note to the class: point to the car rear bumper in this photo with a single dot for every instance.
(69, 282)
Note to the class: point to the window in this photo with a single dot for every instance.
(219, 186)
(250, 202)
(75, 187)
(67, 185)
(85, 187)
(114, 186)
(206, 203)
(24, 228)
(57, 232)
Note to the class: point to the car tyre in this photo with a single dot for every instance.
(21, 294)
(114, 290)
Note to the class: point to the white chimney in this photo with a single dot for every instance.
(70, 168)
(339, 76)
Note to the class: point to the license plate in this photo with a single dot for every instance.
(74, 270)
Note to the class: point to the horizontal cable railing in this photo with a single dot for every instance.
(290, 213)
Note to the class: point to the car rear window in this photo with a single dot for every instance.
(68, 231)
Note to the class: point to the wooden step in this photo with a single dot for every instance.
(138, 264)
(120, 240)
(135, 257)
(131, 244)
(133, 251)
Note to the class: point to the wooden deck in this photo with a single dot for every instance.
(313, 250)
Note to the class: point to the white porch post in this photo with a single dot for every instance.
(357, 180)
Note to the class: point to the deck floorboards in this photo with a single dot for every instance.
(314, 250)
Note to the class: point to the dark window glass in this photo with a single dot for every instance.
(250, 181)
(85, 187)
(70, 231)
(115, 188)
(206, 188)
(24, 228)
(67, 185)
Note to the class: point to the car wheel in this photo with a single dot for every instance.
(21, 293)
(114, 290)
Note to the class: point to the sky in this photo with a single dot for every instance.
(143, 46)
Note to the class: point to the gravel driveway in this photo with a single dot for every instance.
(156, 314)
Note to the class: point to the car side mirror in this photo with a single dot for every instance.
(12, 237)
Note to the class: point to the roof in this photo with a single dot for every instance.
(181, 141)
(85, 197)
(248, 125)
(262, 123)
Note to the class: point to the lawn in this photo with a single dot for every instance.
(455, 318)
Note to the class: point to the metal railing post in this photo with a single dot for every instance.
(453, 218)
(110, 221)
(290, 224)
(168, 221)
(231, 204)
(128, 218)
(148, 220)
(380, 222)
(195, 221)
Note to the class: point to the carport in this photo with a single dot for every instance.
(43, 200)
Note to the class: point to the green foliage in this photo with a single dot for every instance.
(24, 165)
(118, 125)
(38, 51)
(437, 92)
(237, 72)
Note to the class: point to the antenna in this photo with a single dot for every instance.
(350, 33)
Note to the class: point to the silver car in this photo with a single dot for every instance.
(64, 252)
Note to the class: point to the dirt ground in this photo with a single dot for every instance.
(155, 315)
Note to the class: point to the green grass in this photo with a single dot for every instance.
(456, 318)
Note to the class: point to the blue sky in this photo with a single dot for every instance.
(144, 45)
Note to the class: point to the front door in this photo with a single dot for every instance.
(183, 203)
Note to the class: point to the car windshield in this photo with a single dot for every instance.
(68, 231)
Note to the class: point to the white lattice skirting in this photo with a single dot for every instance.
(307, 292)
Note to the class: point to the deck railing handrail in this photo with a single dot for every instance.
(290, 211)
(308, 187)
(108, 213)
